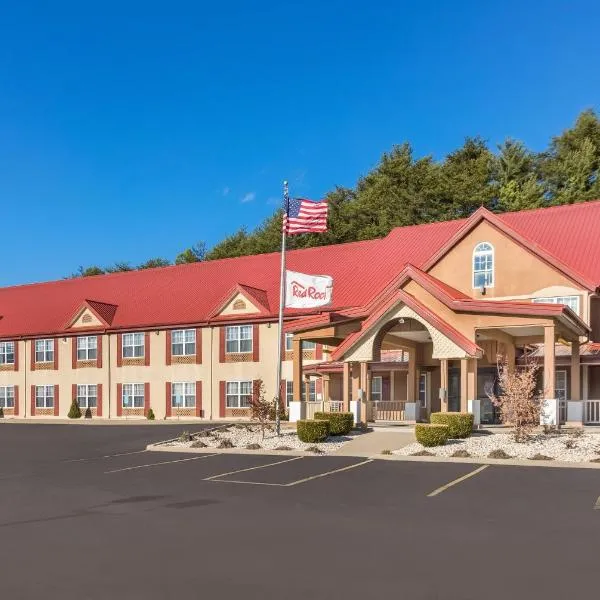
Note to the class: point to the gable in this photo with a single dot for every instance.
(518, 272)
(86, 318)
(239, 305)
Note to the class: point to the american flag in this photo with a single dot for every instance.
(305, 216)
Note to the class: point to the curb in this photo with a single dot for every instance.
(263, 451)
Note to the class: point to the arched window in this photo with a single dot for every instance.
(483, 265)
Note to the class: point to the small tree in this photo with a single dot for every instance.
(150, 415)
(74, 411)
(260, 408)
(519, 403)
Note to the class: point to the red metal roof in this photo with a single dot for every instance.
(189, 294)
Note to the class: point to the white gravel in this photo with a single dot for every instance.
(587, 447)
(242, 435)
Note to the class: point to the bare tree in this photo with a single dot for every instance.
(519, 403)
(260, 408)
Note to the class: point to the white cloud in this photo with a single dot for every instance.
(249, 197)
(226, 190)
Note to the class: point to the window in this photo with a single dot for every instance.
(309, 345)
(7, 396)
(7, 353)
(483, 265)
(87, 396)
(376, 388)
(560, 385)
(44, 396)
(239, 394)
(133, 345)
(183, 342)
(239, 338)
(133, 395)
(571, 301)
(305, 345)
(183, 395)
(312, 391)
(44, 351)
(423, 389)
(87, 348)
(289, 392)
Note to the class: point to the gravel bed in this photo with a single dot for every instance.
(555, 446)
(243, 435)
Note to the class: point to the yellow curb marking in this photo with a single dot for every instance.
(164, 462)
(364, 462)
(279, 462)
(456, 481)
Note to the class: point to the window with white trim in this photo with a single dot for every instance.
(7, 353)
(560, 384)
(7, 396)
(308, 345)
(44, 351)
(133, 345)
(289, 337)
(238, 394)
(183, 395)
(312, 391)
(133, 395)
(376, 388)
(238, 339)
(87, 347)
(44, 396)
(87, 395)
(289, 392)
(183, 342)
(483, 265)
(571, 301)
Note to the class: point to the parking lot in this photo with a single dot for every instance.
(85, 512)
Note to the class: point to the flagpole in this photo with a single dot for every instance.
(281, 308)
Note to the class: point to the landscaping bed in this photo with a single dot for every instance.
(567, 447)
(249, 437)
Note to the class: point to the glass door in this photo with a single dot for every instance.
(454, 390)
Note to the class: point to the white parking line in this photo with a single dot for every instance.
(597, 506)
(456, 481)
(279, 462)
(164, 462)
(299, 481)
(105, 456)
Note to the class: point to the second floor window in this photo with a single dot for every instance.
(183, 395)
(44, 396)
(7, 353)
(133, 345)
(87, 396)
(87, 348)
(44, 351)
(239, 338)
(483, 266)
(183, 342)
(133, 395)
(7, 396)
(239, 394)
(571, 301)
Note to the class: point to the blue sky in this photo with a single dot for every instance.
(133, 129)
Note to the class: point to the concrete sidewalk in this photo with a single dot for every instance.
(374, 442)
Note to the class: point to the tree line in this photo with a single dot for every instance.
(406, 190)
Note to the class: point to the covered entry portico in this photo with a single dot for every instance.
(426, 350)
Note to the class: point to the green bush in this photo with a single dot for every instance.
(283, 415)
(339, 423)
(459, 424)
(312, 431)
(1, 413)
(431, 435)
(150, 416)
(74, 411)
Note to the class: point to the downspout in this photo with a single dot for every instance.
(211, 372)
(25, 394)
(109, 378)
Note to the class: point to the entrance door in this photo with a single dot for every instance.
(454, 390)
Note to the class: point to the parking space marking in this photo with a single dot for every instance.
(279, 462)
(327, 473)
(443, 488)
(70, 460)
(597, 505)
(164, 462)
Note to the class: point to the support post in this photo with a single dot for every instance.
(444, 385)
(549, 364)
(575, 372)
(392, 385)
(297, 369)
(365, 391)
(346, 386)
(464, 384)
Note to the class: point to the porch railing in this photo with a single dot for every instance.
(591, 412)
(322, 406)
(383, 410)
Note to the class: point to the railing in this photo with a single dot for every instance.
(322, 406)
(591, 412)
(383, 410)
(312, 408)
(562, 411)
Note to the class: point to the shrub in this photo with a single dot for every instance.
(339, 423)
(460, 425)
(1, 413)
(198, 444)
(253, 447)
(460, 454)
(88, 413)
(283, 415)
(186, 436)
(312, 431)
(150, 416)
(386, 452)
(226, 443)
(284, 448)
(74, 411)
(314, 450)
(423, 453)
(539, 456)
(431, 435)
(498, 453)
